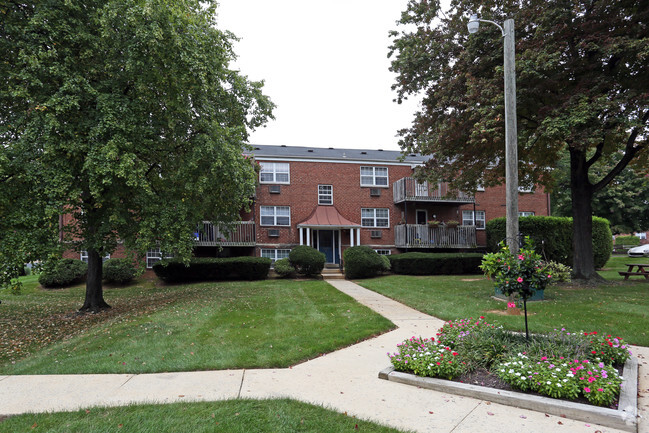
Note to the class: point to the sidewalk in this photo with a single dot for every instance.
(345, 381)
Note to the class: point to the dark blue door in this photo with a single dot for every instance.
(327, 244)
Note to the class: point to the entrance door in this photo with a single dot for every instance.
(327, 245)
(422, 216)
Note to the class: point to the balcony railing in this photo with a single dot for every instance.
(422, 236)
(408, 189)
(210, 235)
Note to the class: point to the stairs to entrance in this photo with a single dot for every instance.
(332, 273)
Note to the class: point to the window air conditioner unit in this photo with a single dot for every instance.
(274, 189)
(376, 234)
(375, 192)
(273, 233)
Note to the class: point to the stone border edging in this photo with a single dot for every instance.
(624, 418)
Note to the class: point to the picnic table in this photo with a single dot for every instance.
(643, 270)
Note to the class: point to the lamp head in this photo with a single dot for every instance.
(474, 23)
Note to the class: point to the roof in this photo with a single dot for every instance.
(364, 155)
(327, 216)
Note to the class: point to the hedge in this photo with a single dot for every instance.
(284, 268)
(362, 262)
(436, 263)
(552, 237)
(307, 260)
(212, 269)
(627, 240)
(65, 272)
(119, 271)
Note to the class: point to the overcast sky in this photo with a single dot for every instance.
(325, 66)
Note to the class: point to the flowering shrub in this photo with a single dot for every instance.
(454, 330)
(563, 378)
(426, 357)
(609, 349)
(521, 273)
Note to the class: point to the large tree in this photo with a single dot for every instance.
(125, 114)
(582, 89)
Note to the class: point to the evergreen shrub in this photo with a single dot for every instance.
(65, 272)
(362, 262)
(212, 269)
(552, 237)
(284, 268)
(627, 240)
(307, 260)
(436, 263)
(119, 271)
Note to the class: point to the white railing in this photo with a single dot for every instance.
(408, 189)
(423, 236)
(209, 234)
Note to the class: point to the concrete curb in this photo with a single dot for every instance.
(624, 418)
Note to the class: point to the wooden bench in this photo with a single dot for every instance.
(642, 271)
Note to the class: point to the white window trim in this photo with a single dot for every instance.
(383, 252)
(474, 218)
(526, 213)
(330, 195)
(83, 256)
(271, 167)
(374, 209)
(274, 252)
(374, 184)
(156, 255)
(274, 216)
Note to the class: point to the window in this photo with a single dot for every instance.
(274, 172)
(275, 216)
(275, 255)
(374, 176)
(155, 255)
(383, 252)
(467, 218)
(325, 194)
(375, 218)
(642, 235)
(84, 256)
(525, 188)
(524, 214)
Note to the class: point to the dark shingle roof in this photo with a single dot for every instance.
(334, 154)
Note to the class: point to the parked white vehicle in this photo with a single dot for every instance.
(642, 250)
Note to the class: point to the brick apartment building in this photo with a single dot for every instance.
(333, 199)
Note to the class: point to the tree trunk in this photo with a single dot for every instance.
(94, 292)
(583, 264)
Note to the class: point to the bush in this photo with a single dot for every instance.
(212, 269)
(362, 262)
(436, 263)
(119, 271)
(560, 273)
(386, 263)
(307, 260)
(284, 268)
(64, 272)
(627, 240)
(552, 237)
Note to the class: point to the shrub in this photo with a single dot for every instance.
(362, 262)
(284, 268)
(119, 271)
(307, 260)
(436, 263)
(560, 273)
(627, 240)
(212, 269)
(386, 263)
(553, 237)
(64, 272)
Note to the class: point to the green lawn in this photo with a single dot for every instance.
(617, 307)
(208, 326)
(233, 416)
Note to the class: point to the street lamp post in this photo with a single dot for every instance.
(511, 137)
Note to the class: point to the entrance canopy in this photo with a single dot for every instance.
(327, 217)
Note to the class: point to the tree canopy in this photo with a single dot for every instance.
(126, 114)
(582, 89)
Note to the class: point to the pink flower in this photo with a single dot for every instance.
(521, 257)
(600, 389)
(519, 279)
(511, 305)
(586, 389)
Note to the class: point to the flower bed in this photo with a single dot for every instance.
(560, 365)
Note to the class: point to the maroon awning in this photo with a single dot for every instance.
(327, 216)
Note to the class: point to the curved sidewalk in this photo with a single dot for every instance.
(345, 380)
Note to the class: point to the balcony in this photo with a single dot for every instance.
(211, 235)
(422, 236)
(408, 189)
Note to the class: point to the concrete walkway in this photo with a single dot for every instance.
(345, 381)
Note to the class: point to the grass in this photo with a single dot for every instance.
(617, 307)
(209, 326)
(233, 416)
